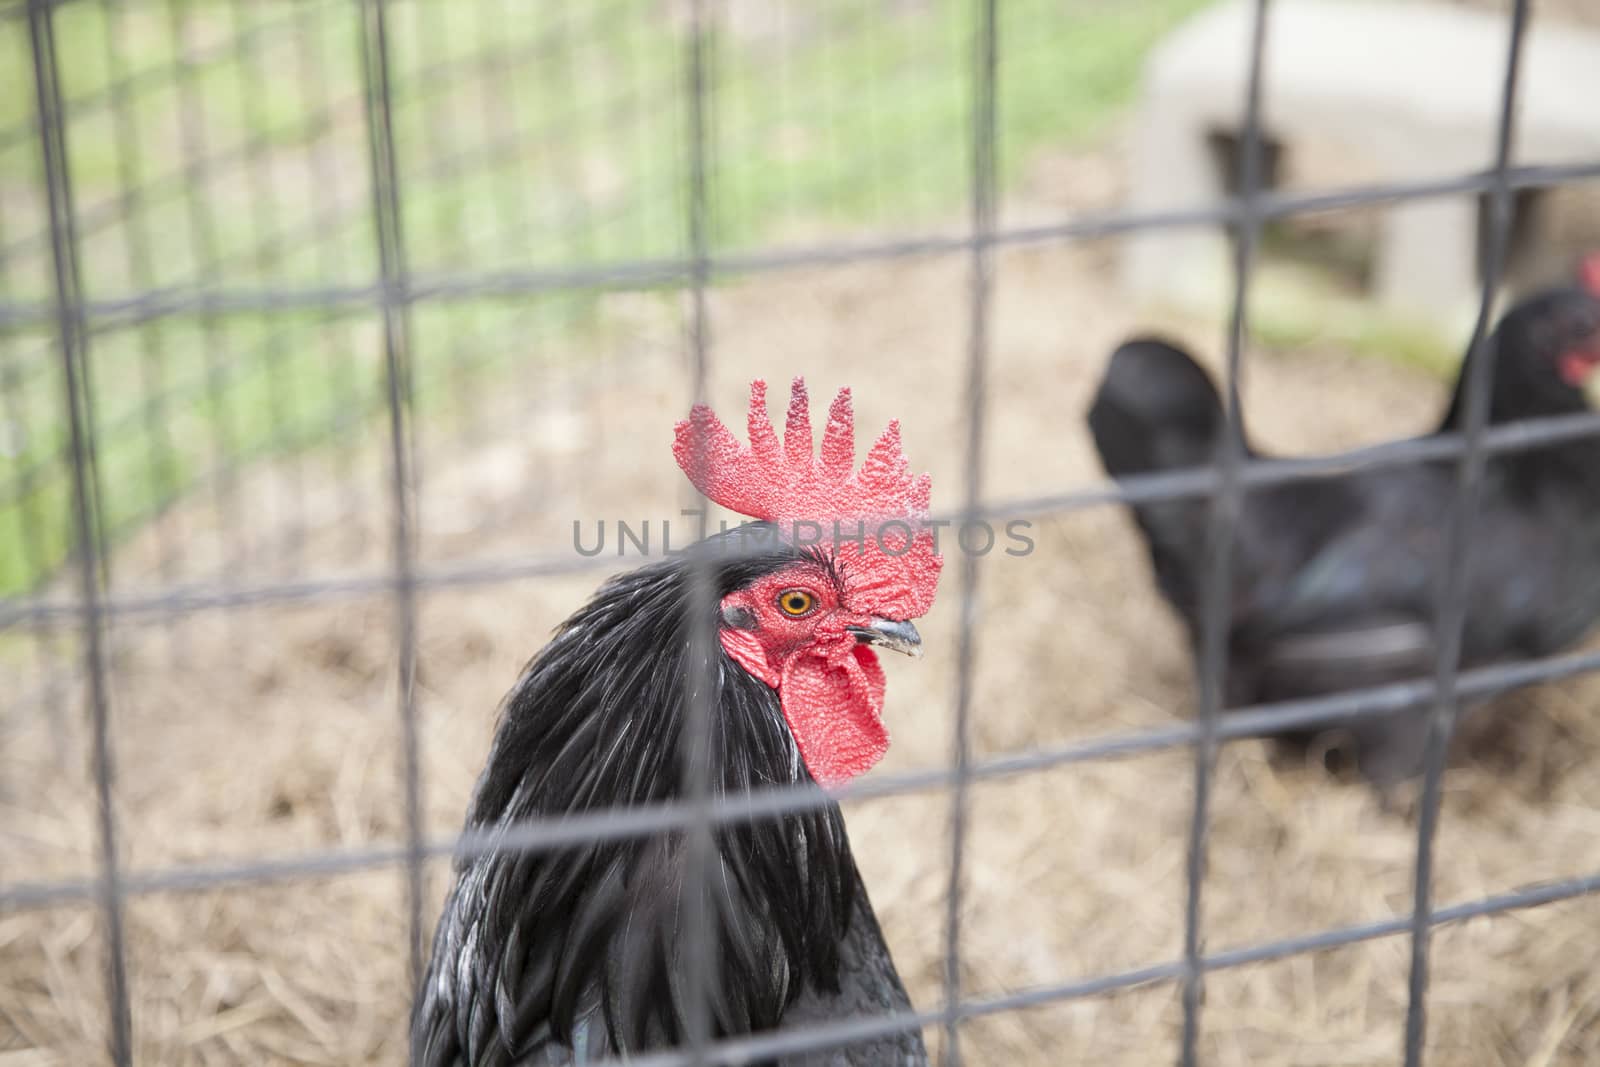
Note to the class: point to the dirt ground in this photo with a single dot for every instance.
(273, 730)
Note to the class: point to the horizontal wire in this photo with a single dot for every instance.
(314, 124)
(75, 107)
(847, 1031)
(618, 823)
(632, 274)
(183, 599)
(865, 1028)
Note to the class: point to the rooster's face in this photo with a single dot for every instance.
(806, 605)
(1578, 333)
(1575, 340)
(808, 630)
(1548, 354)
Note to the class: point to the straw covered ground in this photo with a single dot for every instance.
(273, 730)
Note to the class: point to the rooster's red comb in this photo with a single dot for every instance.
(780, 482)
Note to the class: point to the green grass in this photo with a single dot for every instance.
(531, 136)
(1356, 328)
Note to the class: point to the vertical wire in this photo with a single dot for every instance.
(283, 397)
(1216, 605)
(442, 139)
(697, 930)
(580, 236)
(501, 121)
(160, 457)
(28, 496)
(74, 336)
(1452, 595)
(395, 285)
(502, 124)
(203, 248)
(350, 403)
(985, 105)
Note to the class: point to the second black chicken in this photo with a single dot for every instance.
(1335, 580)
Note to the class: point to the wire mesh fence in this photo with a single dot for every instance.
(253, 250)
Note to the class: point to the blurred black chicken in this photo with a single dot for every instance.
(1335, 579)
(574, 955)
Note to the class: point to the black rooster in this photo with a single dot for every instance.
(576, 955)
(1335, 579)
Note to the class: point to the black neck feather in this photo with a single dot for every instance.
(581, 945)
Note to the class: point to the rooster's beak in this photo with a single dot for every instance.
(891, 634)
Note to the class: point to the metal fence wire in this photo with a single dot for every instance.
(68, 318)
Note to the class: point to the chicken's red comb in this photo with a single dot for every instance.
(766, 480)
(1589, 273)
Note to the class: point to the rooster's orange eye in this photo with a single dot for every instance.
(796, 602)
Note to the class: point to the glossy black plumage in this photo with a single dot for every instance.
(1335, 579)
(573, 955)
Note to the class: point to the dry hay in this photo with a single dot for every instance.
(268, 731)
